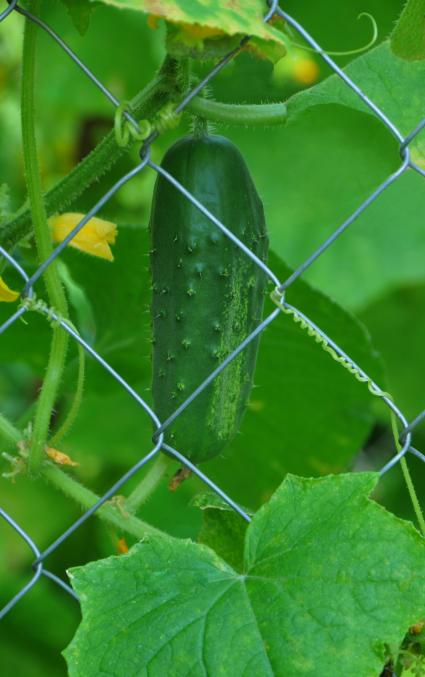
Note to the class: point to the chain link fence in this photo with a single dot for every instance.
(279, 295)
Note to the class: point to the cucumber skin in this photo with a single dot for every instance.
(207, 295)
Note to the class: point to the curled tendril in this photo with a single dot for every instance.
(39, 306)
(353, 369)
(350, 52)
(165, 119)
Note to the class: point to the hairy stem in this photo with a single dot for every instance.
(77, 399)
(238, 114)
(110, 513)
(165, 87)
(54, 287)
(148, 484)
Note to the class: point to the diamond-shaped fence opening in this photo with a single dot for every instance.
(282, 290)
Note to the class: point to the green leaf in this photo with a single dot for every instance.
(118, 294)
(199, 26)
(393, 84)
(86, 118)
(80, 13)
(330, 581)
(110, 306)
(408, 38)
(111, 429)
(222, 530)
(402, 351)
(325, 163)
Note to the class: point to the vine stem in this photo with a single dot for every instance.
(408, 478)
(109, 512)
(149, 483)
(54, 287)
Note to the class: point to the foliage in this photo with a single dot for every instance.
(201, 28)
(312, 598)
(408, 38)
(323, 581)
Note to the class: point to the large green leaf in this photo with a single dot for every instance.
(80, 11)
(330, 580)
(408, 38)
(110, 310)
(79, 113)
(393, 84)
(202, 24)
(323, 166)
(387, 320)
(119, 295)
(222, 530)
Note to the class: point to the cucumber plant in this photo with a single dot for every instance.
(322, 581)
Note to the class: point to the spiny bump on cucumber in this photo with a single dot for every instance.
(214, 296)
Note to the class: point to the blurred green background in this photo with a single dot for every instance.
(310, 175)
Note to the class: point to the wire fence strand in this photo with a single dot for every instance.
(281, 289)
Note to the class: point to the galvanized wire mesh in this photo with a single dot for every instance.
(407, 428)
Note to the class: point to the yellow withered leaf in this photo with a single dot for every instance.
(59, 457)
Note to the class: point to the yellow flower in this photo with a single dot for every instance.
(7, 294)
(94, 238)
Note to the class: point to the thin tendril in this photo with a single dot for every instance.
(351, 52)
(77, 399)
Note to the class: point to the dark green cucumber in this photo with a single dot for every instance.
(207, 294)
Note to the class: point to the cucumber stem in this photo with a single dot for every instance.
(238, 114)
(200, 127)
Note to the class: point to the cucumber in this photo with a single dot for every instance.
(207, 294)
